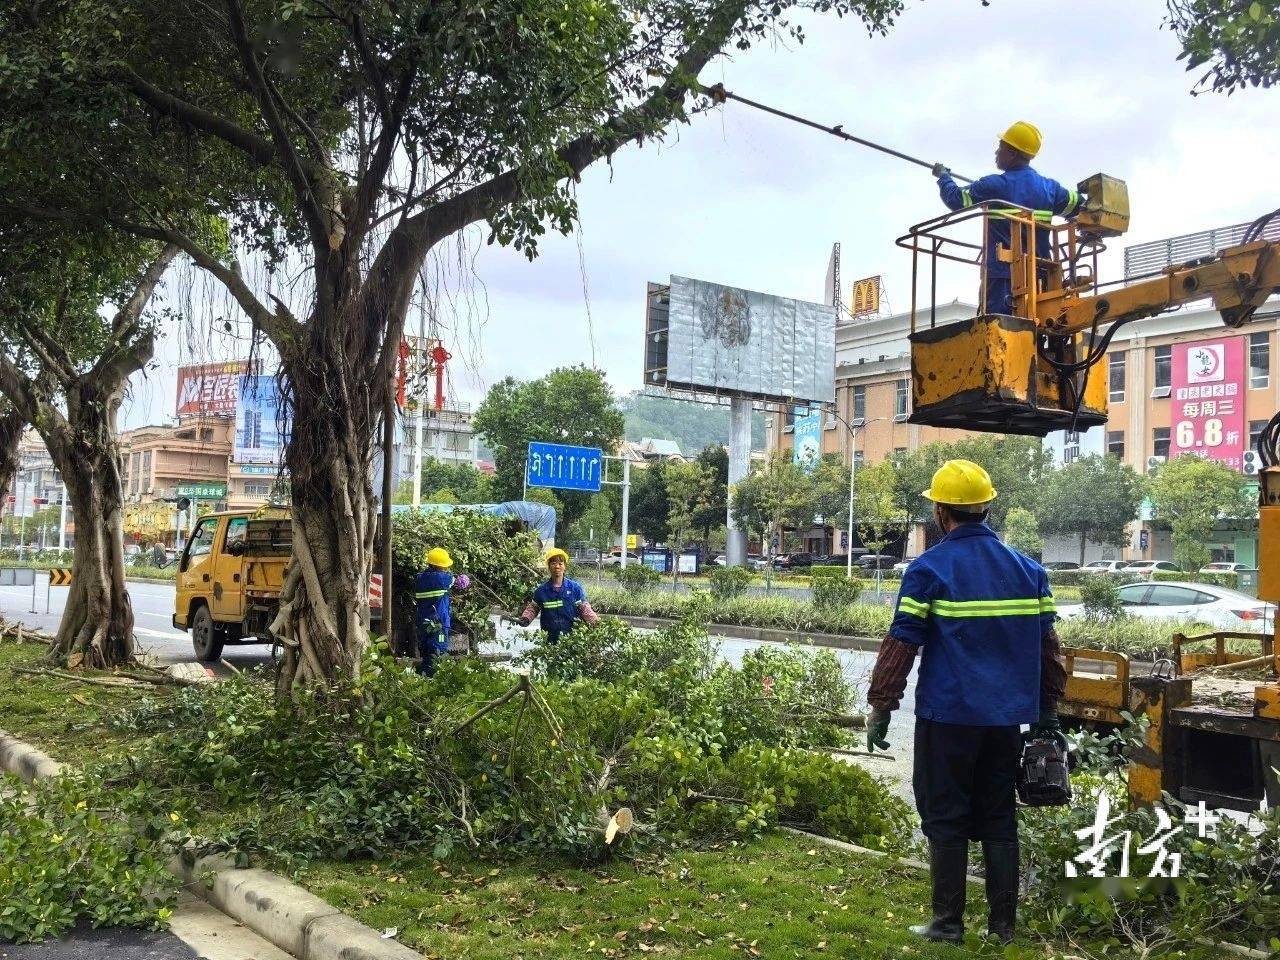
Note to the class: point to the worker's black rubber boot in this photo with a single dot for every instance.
(1001, 861)
(948, 864)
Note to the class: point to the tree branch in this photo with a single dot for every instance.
(126, 318)
(304, 184)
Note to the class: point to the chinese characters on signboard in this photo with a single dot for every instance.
(210, 388)
(1206, 407)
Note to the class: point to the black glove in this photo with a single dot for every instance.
(941, 170)
(877, 730)
(523, 621)
(1047, 726)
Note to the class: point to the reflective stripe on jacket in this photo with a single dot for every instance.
(559, 607)
(431, 591)
(978, 609)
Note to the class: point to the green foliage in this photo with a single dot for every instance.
(503, 566)
(1018, 468)
(695, 426)
(1095, 498)
(876, 510)
(462, 480)
(690, 487)
(595, 527)
(636, 577)
(1223, 579)
(779, 494)
(710, 515)
(1191, 494)
(73, 849)
(1137, 636)
(832, 593)
(1076, 578)
(1022, 532)
(649, 502)
(443, 495)
(1226, 888)
(820, 570)
(728, 582)
(1239, 42)
(858, 620)
(1100, 596)
(572, 405)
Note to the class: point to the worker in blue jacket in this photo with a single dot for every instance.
(981, 615)
(559, 601)
(1016, 183)
(433, 614)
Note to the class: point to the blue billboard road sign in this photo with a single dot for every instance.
(561, 467)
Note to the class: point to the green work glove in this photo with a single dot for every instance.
(877, 730)
(1047, 725)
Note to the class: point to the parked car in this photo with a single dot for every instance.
(1061, 565)
(792, 561)
(1104, 566)
(587, 556)
(1225, 567)
(756, 561)
(876, 561)
(1219, 607)
(614, 558)
(1145, 568)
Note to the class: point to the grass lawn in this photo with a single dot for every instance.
(782, 896)
(61, 717)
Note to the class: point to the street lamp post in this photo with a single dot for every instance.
(853, 466)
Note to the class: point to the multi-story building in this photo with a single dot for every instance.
(36, 485)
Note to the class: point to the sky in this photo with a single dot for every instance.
(742, 198)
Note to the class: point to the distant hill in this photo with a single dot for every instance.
(692, 425)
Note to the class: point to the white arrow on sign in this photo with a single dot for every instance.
(535, 464)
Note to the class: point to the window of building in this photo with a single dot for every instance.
(1116, 366)
(206, 434)
(900, 400)
(1071, 446)
(135, 473)
(146, 471)
(1164, 371)
(1160, 441)
(859, 403)
(1255, 431)
(1259, 360)
(1115, 443)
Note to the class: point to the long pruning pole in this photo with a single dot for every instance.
(719, 94)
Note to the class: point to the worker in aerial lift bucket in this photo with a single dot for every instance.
(983, 614)
(1016, 183)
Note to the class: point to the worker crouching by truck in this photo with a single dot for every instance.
(433, 615)
(559, 602)
(983, 615)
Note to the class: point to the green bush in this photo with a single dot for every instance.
(1229, 580)
(1138, 637)
(73, 850)
(1100, 596)
(1078, 578)
(635, 577)
(830, 570)
(831, 593)
(729, 582)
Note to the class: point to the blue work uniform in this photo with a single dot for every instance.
(432, 616)
(558, 607)
(1027, 189)
(978, 610)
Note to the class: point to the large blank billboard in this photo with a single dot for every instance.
(711, 338)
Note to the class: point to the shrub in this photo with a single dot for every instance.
(729, 582)
(1078, 578)
(1229, 580)
(831, 593)
(831, 570)
(636, 577)
(72, 849)
(1100, 596)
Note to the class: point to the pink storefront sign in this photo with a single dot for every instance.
(1206, 406)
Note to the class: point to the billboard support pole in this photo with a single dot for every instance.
(626, 509)
(739, 465)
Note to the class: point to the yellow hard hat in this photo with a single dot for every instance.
(439, 557)
(961, 483)
(1023, 137)
(553, 553)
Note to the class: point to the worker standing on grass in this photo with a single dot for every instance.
(983, 614)
(560, 602)
(1016, 183)
(433, 616)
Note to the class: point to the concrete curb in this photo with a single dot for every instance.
(276, 909)
(838, 641)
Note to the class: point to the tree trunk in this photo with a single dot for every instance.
(97, 623)
(1082, 539)
(323, 623)
(12, 424)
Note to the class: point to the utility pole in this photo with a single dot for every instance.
(626, 509)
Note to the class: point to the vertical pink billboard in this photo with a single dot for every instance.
(1207, 403)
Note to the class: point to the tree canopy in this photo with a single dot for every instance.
(1192, 494)
(1095, 498)
(1237, 42)
(695, 426)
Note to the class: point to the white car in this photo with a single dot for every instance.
(1145, 568)
(901, 567)
(1104, 566)
(1218, 607)
(1225, 567)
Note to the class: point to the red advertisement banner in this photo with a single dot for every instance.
(210, 388)
(1206, 405)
